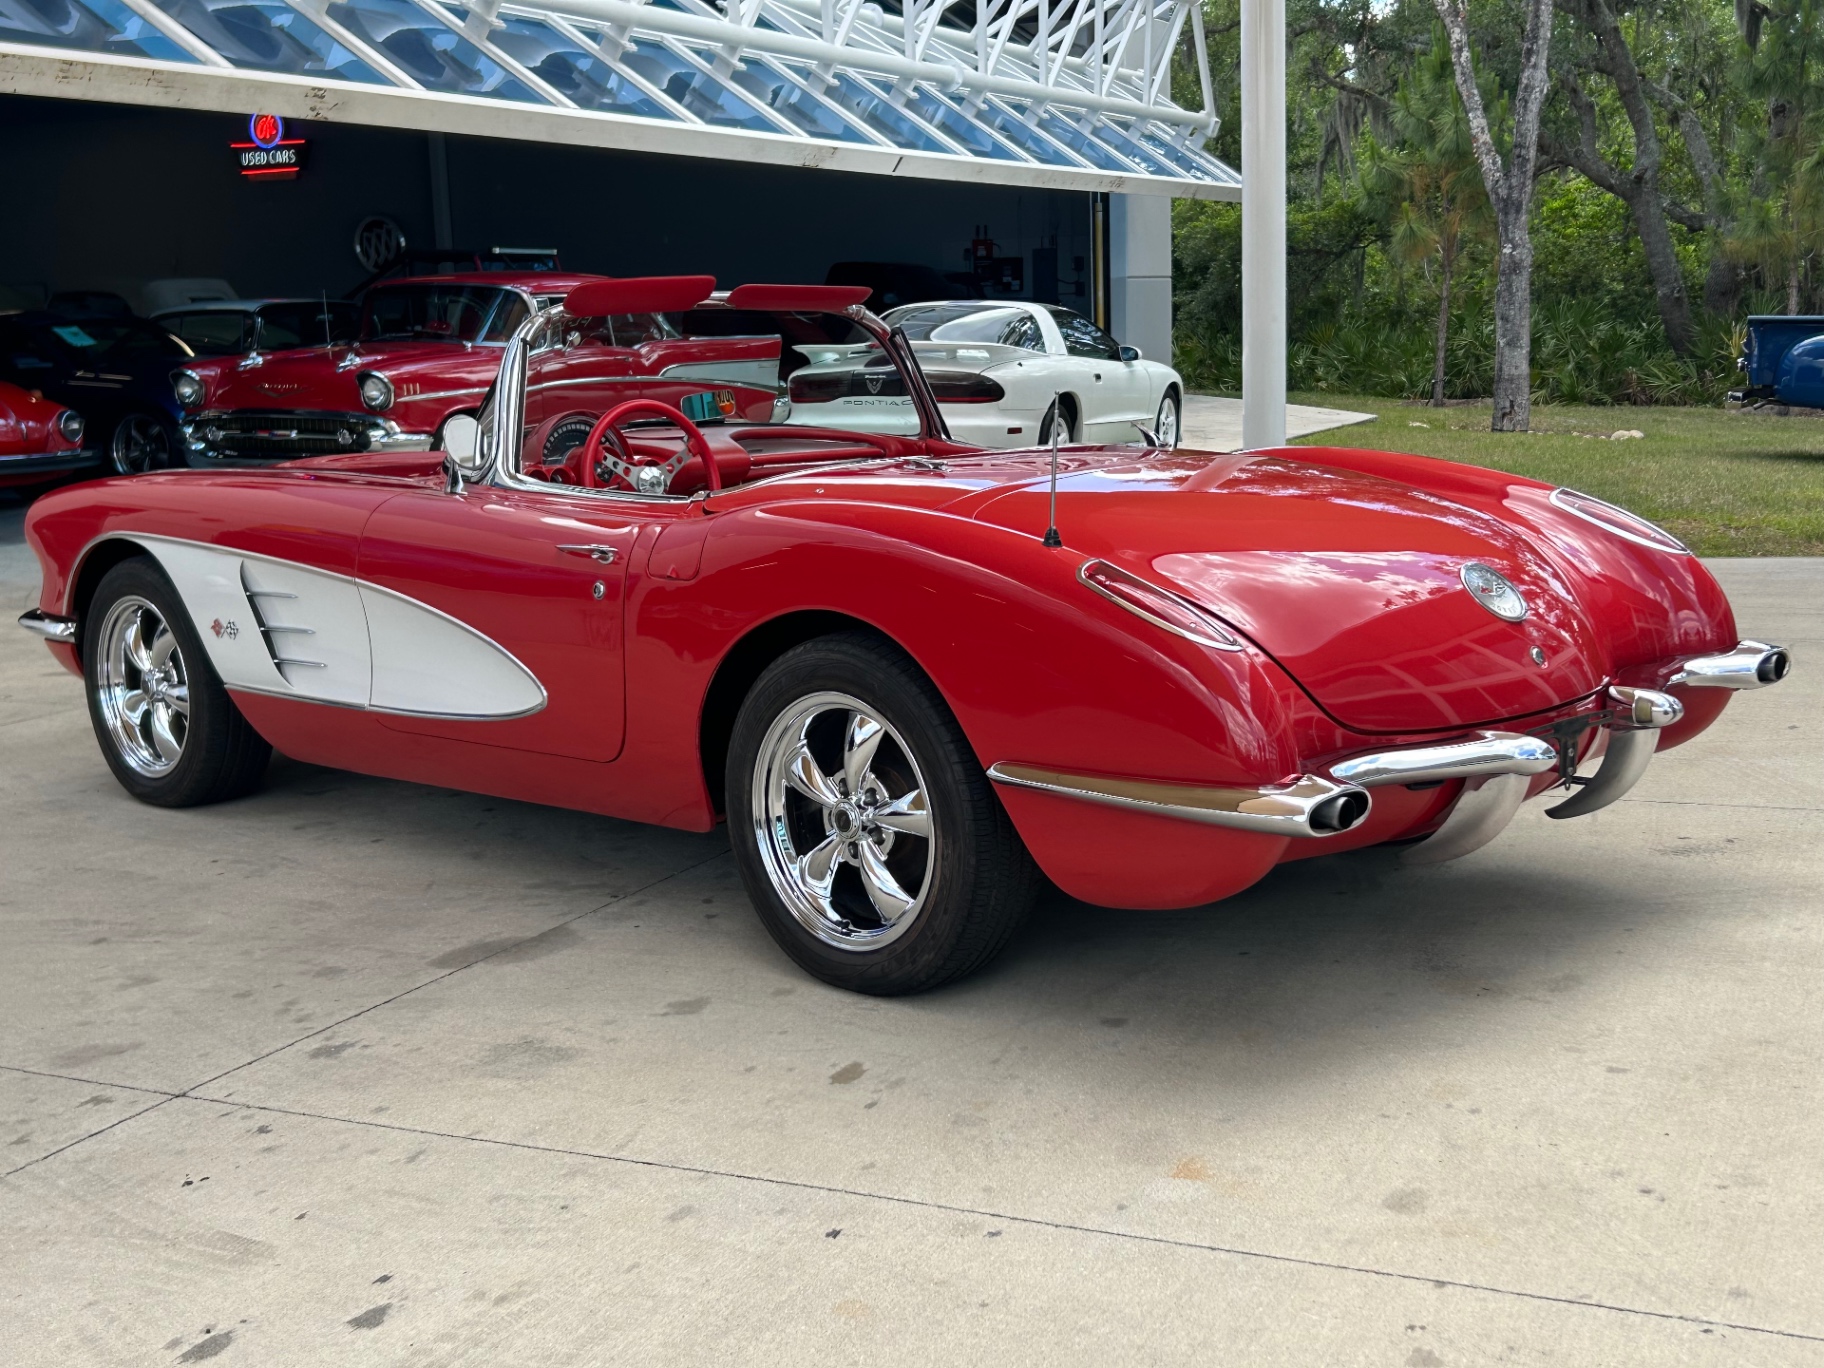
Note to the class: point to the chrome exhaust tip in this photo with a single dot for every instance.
(1343, 812)
(1751, 665)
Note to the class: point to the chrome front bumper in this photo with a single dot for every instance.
(247, 437)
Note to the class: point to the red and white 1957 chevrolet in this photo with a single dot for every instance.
(428, 348)
(910, 674)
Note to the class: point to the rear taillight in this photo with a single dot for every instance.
(964, 387)
(819, 389)
(1619, 521)
(867, 382)
(1158, 606)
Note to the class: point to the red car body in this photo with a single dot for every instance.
(308, 401)
(1218, 663)
(39, 440)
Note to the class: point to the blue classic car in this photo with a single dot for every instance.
(1783, 361)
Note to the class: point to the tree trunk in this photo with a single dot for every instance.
(1514, 326)
(1792, 288)
(1638, 186)
(1722, 282)
(1669, 293)
(1437, 365)
(1510, 191)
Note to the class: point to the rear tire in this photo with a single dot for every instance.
(166, 725)
(1169, 425)
(1068, 434)
(869, 839)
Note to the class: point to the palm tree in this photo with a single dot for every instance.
(1425, 184)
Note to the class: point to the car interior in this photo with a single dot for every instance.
(722, 420)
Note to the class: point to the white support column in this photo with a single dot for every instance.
(1140, 273)
(1263, 223)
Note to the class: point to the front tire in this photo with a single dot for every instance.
(870, 841)
(141, 442)
(166, 725)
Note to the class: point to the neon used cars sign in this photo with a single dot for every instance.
(268, 154)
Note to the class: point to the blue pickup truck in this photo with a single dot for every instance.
(1784, 360)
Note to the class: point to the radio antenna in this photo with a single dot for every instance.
(329, 343)
(1052, 539)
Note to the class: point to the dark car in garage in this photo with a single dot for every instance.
(237, 327)
(113, 370)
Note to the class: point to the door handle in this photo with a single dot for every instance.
(606, 555)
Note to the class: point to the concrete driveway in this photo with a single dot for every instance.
(359, 1073)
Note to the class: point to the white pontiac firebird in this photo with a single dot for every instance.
(1000, 370)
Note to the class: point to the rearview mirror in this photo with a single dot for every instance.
(1130, 353)
(462, 456)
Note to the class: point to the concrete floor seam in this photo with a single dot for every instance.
(449, 974)
(1733, 807)
(83, 1139)
(1068, 1227)
(164, 1096)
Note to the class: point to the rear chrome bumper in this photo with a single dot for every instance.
(50, 628)
(1496, 768)
(1309, 806)
(1482, 755)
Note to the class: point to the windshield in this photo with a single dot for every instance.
(441, 312)
(311, 324)
(768, 390)
(114, 341)
(966, 322)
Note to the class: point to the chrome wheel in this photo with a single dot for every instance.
(142, 687)
(139, 444)
(1167, 427)
(843, 823)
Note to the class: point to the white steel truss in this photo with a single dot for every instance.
(1058, 92)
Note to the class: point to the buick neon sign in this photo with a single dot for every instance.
(268, 154)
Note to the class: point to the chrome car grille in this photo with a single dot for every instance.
(250, 435)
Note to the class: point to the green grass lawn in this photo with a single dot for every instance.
(1727, 484)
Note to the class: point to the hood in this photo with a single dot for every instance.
(322, 378)
(1352, 582)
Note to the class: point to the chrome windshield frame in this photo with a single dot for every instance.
(506, 431)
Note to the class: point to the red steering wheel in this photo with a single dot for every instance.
(693, 440)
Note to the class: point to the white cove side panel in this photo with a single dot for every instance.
(213, 583)
(428, 664)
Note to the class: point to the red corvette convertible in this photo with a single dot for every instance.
(39, 440)
(429, 347)
(911, 675)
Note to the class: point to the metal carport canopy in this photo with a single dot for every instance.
(1073, 96)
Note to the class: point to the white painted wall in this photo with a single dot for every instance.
(1140, 273)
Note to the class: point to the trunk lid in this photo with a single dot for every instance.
(1352, 582)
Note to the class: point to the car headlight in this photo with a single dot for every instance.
(376, 391)
(189, 388)
(69, 423)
